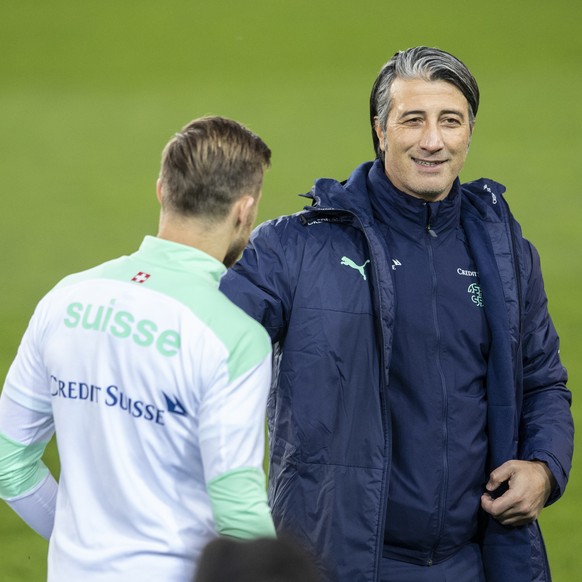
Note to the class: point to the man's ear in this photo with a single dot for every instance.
(379, 133)
(470, 136)
(243, 209)
(159, 190)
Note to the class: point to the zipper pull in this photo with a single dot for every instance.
(429, 230)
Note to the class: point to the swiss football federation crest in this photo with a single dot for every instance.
(141, 277)
(476, 294)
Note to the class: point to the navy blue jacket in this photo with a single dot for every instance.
(330, 440)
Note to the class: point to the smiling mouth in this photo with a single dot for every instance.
(427, 164)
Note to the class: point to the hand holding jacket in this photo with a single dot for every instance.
(529, 484)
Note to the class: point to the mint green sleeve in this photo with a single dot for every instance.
(25, 482)
(27, 485)
(21, 467)
(239, 504)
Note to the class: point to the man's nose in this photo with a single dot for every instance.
(432, 139)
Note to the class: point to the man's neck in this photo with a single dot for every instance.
(192, 232)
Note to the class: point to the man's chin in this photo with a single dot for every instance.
(432, 192)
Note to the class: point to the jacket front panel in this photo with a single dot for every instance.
(326, 412)
(438, 468)
(332, 323)
(329, 370)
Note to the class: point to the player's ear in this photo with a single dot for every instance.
(244, 208)
(159, 190)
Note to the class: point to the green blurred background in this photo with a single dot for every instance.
(90, 92)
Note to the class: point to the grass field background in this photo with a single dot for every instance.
(91, 91)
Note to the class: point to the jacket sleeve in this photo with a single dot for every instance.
(258, 283)
(546, 426)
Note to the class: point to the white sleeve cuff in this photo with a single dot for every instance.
(37, 507)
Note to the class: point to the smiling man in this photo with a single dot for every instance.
(429, 130)
(419, 417)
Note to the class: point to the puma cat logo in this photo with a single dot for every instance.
(360, 268)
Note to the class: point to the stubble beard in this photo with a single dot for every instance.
(237, 246)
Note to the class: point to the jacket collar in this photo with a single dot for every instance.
(350, 195)
(181, 258)
(480, 198)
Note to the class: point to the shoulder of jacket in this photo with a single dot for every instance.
(310, 215)
(486, 197)
(484, 188)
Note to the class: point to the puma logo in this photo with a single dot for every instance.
(360, 268)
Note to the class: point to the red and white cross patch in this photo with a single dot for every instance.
(141, 277)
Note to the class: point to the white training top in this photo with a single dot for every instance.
(157, 385)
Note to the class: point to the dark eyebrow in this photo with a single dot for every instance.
(444, 112)
(453, 112)
(413, 112)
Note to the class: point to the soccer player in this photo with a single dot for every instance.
(154, 383)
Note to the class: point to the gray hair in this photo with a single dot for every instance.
(429, 64)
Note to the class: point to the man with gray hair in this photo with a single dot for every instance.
(154, 383)
(419, 418)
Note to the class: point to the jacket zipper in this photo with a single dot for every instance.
(383, 404)
(445, 461)
(386, 422)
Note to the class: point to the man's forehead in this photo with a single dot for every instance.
(420, 93)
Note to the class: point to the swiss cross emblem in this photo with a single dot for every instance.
(141, 277)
